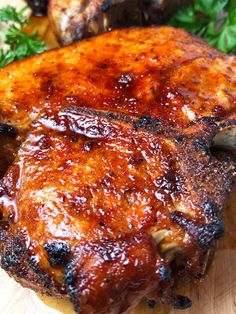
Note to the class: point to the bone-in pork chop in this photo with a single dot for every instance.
(111, 191)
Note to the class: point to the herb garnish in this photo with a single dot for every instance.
(20, 44)
(213, 20)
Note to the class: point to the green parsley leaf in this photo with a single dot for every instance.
(10, 14)
(213, 20)
(20, 43)
(6, 57)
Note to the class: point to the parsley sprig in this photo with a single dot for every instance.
(21, 44)
(213, 20)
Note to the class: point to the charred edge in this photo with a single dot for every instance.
(13, 258)
(148, 123)
(99, 113)
(17, 261)
(181, 302)
(151, 304)
(44, 279)
(69, 273)
(144, 122)
(180, 139)
(228, 123)
(3, 230)
(165, 273)
(209, 233)
(57, 253)
(69, 280)
(121, 117)
(204, 234)
(206, 120)
(7, 130)
(200, 144)
(211, 211)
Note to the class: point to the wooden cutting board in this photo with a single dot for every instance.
(215, 294)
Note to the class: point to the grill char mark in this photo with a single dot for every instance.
(8, 130)
(143, 112)
(204, 234)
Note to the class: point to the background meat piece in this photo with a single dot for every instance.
(73, 20)
(39, 7)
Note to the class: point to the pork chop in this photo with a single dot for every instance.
(114, 193)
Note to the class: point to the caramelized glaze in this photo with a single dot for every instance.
(161, 72)
(114, 193)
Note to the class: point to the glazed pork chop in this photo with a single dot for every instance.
(114, 194)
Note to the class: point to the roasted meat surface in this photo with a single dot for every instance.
(38, 7)
(114, 193)
(73, 20)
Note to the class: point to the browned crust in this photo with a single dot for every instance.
(94, 172)
(20, 265)
(193, 169)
